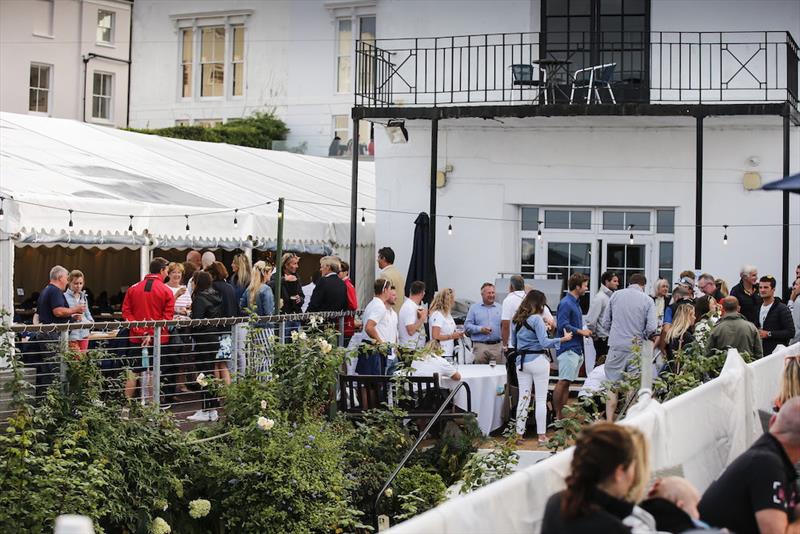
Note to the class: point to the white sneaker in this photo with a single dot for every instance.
(213, 415)
(199, 415)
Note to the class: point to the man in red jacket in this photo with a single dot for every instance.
(148, 300)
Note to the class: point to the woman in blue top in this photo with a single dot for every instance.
(258, 296)
(533, 367)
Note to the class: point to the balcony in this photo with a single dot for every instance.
(683, 68)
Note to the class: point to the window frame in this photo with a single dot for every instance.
(49, 89)
(215, 61)
(111, 28)
(192, 70)
(625, 225)
(355, 35)
(109, 97)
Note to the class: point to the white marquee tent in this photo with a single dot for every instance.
(49, 166)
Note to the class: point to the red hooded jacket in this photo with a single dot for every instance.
(148, 300)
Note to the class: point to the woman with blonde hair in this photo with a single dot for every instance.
(75, 295)
(443, 326)
(682, 332)
(258, 295)
(241, 272)
(790, 381)
(660, 292)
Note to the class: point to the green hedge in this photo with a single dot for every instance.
(257, 131)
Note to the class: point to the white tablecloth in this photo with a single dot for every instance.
(488, 387)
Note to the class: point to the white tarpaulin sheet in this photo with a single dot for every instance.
(697, 433)
(72, 165)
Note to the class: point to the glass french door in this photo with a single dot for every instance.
(626, 259)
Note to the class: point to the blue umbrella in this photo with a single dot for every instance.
(790, 183)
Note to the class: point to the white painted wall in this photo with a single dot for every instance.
(26, 37)
(584, 162)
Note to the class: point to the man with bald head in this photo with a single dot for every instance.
(734, 331)
(194, 257)
(758, 493)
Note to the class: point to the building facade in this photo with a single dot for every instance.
(222, 61)
(662, 178)
(66, 58)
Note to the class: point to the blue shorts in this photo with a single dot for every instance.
(569, 363)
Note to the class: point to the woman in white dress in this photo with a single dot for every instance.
(443, 327)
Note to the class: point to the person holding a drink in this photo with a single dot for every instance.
(443, 326)
(76, 299)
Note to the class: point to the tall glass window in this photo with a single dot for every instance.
(39, 88)
(101, 95)
(212, 57)
(187, 59)
(344, 56)
(237, 60)
(105, 26)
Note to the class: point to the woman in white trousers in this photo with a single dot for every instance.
(533, 367)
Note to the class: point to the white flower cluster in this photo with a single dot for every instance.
(263, 404)
(265, 424)
(202, 380)
(315, 320)
(324, 346)
(159, 526)
(298, 335)
(199, 508)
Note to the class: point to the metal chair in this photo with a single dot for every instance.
(599, 76)
(523, 77)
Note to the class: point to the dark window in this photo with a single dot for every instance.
(665, 221)
(598, 32)
(530, 219)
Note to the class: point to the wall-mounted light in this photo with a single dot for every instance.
(396, 130)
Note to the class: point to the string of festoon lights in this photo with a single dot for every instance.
(72, 213)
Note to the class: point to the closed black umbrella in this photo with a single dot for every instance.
(419, 266)
(790, 183)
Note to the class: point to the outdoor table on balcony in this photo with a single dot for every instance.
(488, 387)
(552, 68)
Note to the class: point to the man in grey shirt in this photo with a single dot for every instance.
(609, 282)
(629, 319)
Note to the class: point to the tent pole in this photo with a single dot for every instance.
(354, 204)
(7, 278)
(278, 262)
(144, 261)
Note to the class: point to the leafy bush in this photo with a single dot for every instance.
(416, 490)
(257, 131)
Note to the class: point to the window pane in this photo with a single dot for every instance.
(528, 252)
(44, 77)
(530, 218)
(238, 43)
(345, 73)
(34, 76)
(341, 122)
(345, 36)
(616, 256)
(96, 83)
(367, 29)
(213, 75)
(613, 220)
(556, 219)
(187, 51)
(611, 7)
(96, 107)
(556, 7)
(665, 221)
(580, 7)
(107, 79)
(238, 79)
(640, 220)
(581, 220)
(579, 254)
(634, 256)
(557, 254)
(32, 100)
(665, 255)
(187, 80)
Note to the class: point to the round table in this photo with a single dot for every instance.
(487, 385)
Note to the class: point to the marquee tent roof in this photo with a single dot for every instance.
(48, 166)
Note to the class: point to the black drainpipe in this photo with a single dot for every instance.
(90, 56)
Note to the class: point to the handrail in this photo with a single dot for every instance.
(222, 321)
(422, 435)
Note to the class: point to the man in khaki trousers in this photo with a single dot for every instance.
(483, 326)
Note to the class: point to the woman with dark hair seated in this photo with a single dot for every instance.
(603, 471)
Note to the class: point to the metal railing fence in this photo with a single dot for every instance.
(172, 368)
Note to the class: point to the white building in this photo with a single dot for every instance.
(219, 61)
(687, 74)
(66, 58)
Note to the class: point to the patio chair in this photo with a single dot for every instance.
(599, 76)
(523, 77)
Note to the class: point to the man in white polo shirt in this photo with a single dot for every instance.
(412, 318)
(380, 326)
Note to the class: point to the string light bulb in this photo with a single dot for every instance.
(630, 237)
(539, 230)
(725, 236)
(2, 215)
(130, 224)
(235, 218)
(70, 219)
(449, 225)
(187, 222)
(280, 213)
(363, 216)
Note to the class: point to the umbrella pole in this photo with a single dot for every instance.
(278, 262)
(785, 272)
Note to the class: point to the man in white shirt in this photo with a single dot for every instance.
(380, 326)
(412, 317)
(516, 294)
(434, 364)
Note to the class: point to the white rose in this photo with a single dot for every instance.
(303, 336)
(314, 320)
(295, 335)
(264, 423)
(201, 379)
(325, 347)
(388, 492)
(263, 404)
(160, 526)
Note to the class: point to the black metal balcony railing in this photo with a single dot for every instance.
(653, 67)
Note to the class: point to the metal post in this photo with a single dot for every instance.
(432, 253)
(698, 195)
(156, 366)
(63, 345)
(354, 203)
(235, 349)
(282, 332)
(341, 331)
(786, 274)
(646, 367)
(278, 254)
